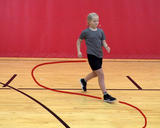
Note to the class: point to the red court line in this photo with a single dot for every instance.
(81, 94)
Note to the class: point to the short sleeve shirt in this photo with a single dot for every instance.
(93, 41)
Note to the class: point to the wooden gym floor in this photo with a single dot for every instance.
(18, 111)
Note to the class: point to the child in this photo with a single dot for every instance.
(95, 39)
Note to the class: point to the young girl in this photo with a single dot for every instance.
(95, 39)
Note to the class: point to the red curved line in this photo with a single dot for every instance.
(60, 90)
(73, 93)
(138, 110)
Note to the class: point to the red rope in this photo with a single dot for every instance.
(81, 94)
(138, 110)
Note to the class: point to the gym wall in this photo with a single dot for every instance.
(50, 28)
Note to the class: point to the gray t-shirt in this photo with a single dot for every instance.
(93, 41)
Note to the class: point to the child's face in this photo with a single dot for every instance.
(94, 22)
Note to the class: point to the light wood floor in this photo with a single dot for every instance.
(18, 111)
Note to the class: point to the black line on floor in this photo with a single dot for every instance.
(138, 86)
(9, 81)
(81, 89)
(45, 107)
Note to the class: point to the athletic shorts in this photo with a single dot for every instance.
(94, 62)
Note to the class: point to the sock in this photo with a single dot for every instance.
(105, 93)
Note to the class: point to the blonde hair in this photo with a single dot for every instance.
(90, 16)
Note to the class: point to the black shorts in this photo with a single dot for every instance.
(94, 62)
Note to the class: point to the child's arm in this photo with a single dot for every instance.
(105, 45)
(79, 47)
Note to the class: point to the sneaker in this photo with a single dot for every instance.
(83, 83)
(108, 98)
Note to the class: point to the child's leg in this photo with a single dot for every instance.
(90, 76)
(106, 96)
(100, 75)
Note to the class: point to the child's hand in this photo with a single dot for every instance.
(79, 54)
(108, 49)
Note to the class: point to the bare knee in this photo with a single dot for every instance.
(99, 73)
(94, 74)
